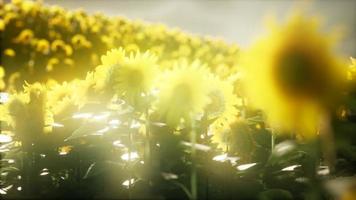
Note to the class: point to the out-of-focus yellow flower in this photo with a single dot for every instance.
(10, 16)
(113, 57)
(64, 150)
(135, 76)
(17, 2)
(103, 72)
(66, 31)
(51, 63)
(183, 93)
(223, 108)
(24, 37)
(157, 50)
(156, 32)
(69, 61)
(2, 72)
(294, 76)
(37, 108)
(351, 72)
(13, 80)
(109, 41)
(30, 7)
(80, 41)
(85, 89)
(2, 75)
(132, 48)
(223, 101)
(5, 115)
(29, 113)
(9, 52)
(51, 83)
(2, 25)
(222, 134)
(223, 104)
(60, 45)
(182, 51)
(61, 98)
(42, 46)
(53, 35)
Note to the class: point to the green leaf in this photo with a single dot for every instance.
(274, 194)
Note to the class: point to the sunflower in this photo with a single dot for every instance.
(37, 108)
(29, 113)
(9, 52)
(183, 92)
(223, 101)
(80, 41)
(103, 73)
(61, 97)
(223, 107)
(60, 46)
(135, 76)
(24, 37)
(294, 76)
(42, 46)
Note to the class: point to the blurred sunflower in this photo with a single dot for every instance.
(223, 101)
(9, 52)
(223, 107)
(52, 62)
(351, 70)
(294, 76)
(24, 37)
(80, 41)
(2, 25)
(61, 97)
(103, 73)
(30, 116)
(183, 92)
(135, 76)
(61, 46)
(37, 108)
(42, 46)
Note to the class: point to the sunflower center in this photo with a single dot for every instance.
(296, 73)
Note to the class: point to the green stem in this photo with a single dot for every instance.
(193, 178)
(148, 143)
(272, 140)
(129, 160)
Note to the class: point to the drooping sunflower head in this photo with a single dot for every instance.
(135, 76)
(292, 74)
(183, 92)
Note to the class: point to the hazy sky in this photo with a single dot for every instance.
(239, 21)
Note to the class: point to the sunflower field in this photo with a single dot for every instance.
(98, 107)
